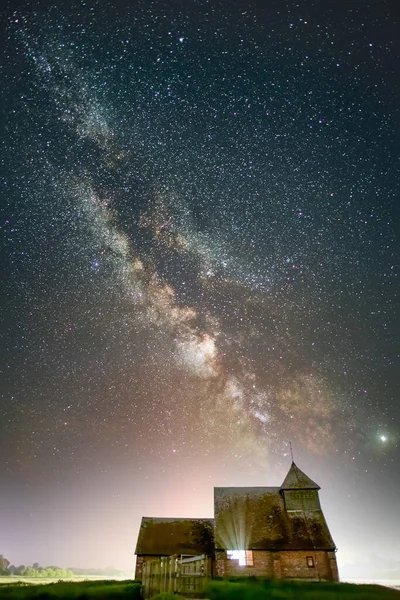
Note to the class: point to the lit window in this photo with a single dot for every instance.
(310, 561)
(249, 558)
(245, 557)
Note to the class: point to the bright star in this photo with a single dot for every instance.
(383, 438)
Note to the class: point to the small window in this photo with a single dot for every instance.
(244, 557)
(310, 561)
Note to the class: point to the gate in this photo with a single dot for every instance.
(179, 573)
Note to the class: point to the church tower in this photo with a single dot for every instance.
(299, 492)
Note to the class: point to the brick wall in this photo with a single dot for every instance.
(333, 566)
(291, 564)
(262, 567)
(140, 560)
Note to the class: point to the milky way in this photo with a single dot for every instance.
(199, 230)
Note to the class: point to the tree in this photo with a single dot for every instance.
(4, 564)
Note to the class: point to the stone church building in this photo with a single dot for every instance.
(276, 532)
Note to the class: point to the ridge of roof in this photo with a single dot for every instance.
(273, 488)
(296, 479)
(246, 491)
(173, 519)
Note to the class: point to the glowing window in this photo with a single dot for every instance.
(310, 561)
(249, 558)
(245, 557)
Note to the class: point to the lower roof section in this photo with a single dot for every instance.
(166, 536)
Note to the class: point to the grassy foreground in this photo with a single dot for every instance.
(291, 590)
(217, 590)
(83, 590)
(21, 579)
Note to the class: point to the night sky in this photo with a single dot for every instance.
(199, 211)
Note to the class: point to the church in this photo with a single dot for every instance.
(275, 532)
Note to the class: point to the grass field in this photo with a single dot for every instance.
(44, 580)
(291, 590)
(76, 590)
(217, 590)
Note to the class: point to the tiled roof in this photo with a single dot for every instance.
(297, 480)
(256, 519)
(166, 536)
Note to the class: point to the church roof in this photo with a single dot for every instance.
(288, 517)
(297, 480)
(166, 536)
(256, 519)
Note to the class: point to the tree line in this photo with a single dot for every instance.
(56, 572)
(34, 571)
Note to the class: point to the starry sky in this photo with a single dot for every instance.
(199, 211)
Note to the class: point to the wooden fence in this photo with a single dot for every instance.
(179, 573)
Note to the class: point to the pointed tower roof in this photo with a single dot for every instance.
(297, 480)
